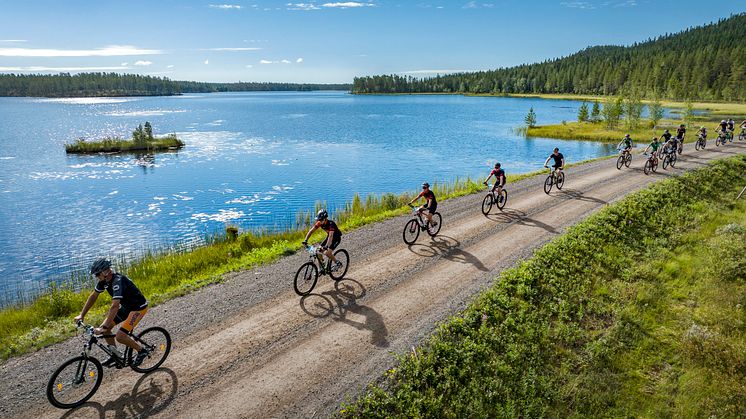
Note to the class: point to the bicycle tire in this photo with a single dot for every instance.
(310, 274)
(548, 183)
(56, 385)
(434, 230)
(487, 204)
(673, 161)
(501, 203)
(413, 227)
(717, 142)
(159, 341)
(647, 167)
(680, 148)
(655, 165)
(628, 160)
(666, 162)
(343, 256)
(620, 162)
(696, 145)
(560, 180)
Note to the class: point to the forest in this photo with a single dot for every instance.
(702, 63)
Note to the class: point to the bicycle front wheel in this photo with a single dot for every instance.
(411, 231)
(74, 382)
(158, 342)
(628, 160)
(620, 162)
(502, 199)
(648, 167)
(305, 278)
(342, 256)
(560, 180)
(433, 230)
(666, 161)
(487, 204)
(548, 183)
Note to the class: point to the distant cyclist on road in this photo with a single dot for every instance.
(702, 132)
(665, 137)
(431, 205)
(128, 306)
(681, 132)
(731, 125)
(559, 160)
(500, 179)
(333, 235)
(723, 128)
(626, 144)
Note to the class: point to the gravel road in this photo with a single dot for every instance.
(250, 347)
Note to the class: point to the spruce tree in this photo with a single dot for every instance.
(530, 119)
(583, 113)
(595, 112)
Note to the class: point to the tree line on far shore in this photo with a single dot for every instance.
(703, 63)
(113, 84)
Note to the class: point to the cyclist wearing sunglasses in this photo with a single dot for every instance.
(333, 235)
(431, 205)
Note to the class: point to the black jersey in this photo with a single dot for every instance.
(557, 159)
(123, 289)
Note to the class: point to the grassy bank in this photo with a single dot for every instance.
(637, 311)
(598, 131)
(113, 145)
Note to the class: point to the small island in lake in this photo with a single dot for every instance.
(142, 140)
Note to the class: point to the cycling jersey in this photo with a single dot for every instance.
(330, 227)
(123, 289)
(333, 234)
(731, 125)
(627, 142)
(499, 175)
(723, 126)
(667, 137)
(680, 132)
(655, 146)
(557, 159)
(429, 195)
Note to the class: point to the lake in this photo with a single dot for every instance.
(251, 159)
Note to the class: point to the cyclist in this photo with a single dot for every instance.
(333, 236)
(681, 132)
(702, 132)
(731, 125)
(559, 160)
(431, 205)
(743, 127)
(500, 179)
(626, 144)
(128, 306)
(666, 137)
(723, 128)
(654, 145)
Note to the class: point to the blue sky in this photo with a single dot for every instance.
(324, 41)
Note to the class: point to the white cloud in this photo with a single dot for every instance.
(45, 69)
(226, 6)
(124, 64)
(578, 5)
(265, 62)
(347, 4)
(142, 63)
(299, 60)
(285, 61)
(233, 49)
(109, 51)
(13, 40)
(170, 66)
(302, 6)
(249, 66)
(207, 62)
(475, 5)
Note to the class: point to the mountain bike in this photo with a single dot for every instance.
(493, 198)
(701, 143)
(78, 378)
(669, 158)
(651, 164)
(742, 135)
(556, 177)
(625, 159)
(308, 273)
(679, 145)
(721, 139)
(419, 222)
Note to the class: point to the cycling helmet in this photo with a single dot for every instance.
(425, 185)
(497, 165)
(100, 265)
(682, 126)
(626, 135)
(322, 215)
(723, 121)
(665, 132)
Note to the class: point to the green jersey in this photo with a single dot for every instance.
(655, 145)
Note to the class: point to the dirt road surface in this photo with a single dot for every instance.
(250, 347)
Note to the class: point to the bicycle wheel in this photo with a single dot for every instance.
(548, 183)
(696, 145)
(487, 204)
(411, 231)
(680, 149)
(648, 167)
(433, 230)
(342, 256)
(673, 160)
(74, 382)
(502, 199)
(717, 142)
(560, 180)
(620, 162)
(655, 165)
(666, 161)
(628, 160)
(158, 342)
(305, 278)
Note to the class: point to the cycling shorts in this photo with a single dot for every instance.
(129, 319)
(432, 208)
(336, 238)
(556, 166)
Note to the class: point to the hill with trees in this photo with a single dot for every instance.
(113, 84)
(701, 63)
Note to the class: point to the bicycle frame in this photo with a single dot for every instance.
(94, 339)
(316, 254)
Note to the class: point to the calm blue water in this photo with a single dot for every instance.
(252, 159)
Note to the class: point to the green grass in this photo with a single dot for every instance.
(638, 311)
(110, 145)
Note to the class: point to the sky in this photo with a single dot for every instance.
(324, 41)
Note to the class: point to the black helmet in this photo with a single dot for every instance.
(425, 185)
(626, 135)
(497, 165)
(322, 215)
(665, 132)
(100, 265)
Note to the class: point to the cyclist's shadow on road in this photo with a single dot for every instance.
(341, 301)
(511, 216)
(448, 248)
(152, 393)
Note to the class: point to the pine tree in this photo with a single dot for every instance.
(595, 112)
(148, 131)
(583, 113)
(530, 119)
